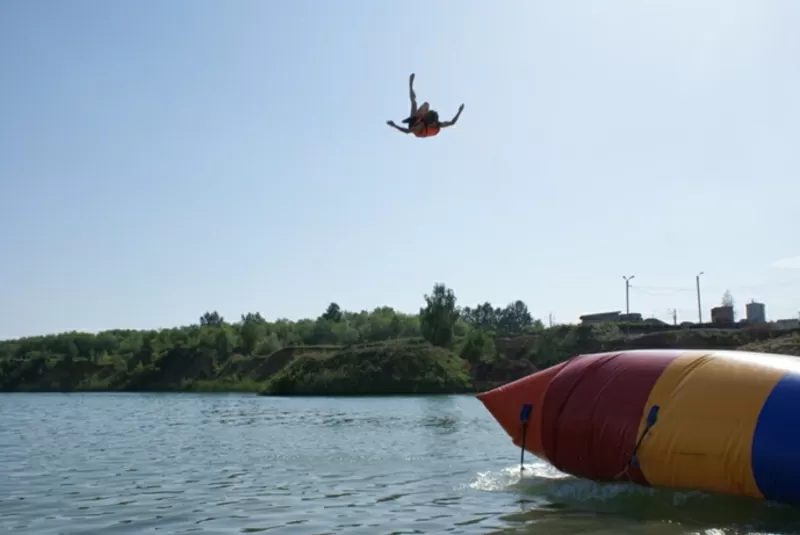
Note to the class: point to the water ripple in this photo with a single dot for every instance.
(224, 464)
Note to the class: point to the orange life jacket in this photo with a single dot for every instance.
(427, 130)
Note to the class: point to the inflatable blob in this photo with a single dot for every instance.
(717, 421)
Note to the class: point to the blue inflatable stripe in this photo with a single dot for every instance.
(776, 443)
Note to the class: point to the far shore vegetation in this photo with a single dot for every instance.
(443, 349)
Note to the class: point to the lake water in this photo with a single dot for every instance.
(183, 463)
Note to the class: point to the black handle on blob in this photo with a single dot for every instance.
(652, 418)
(524, 418)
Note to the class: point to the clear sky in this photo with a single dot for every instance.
(161, 159)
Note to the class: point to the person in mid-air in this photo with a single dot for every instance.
(423, 121)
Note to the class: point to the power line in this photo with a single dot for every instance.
(682, 292)
(666, 290)
(673, 312)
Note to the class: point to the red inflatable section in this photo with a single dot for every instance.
(598, 400)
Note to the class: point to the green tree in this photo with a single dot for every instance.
(479, 345)
(321, 332)
(224, 342)
(515, 319)
(253, 330)
(439, 316)
(484, 316)
(333, 313)
(211, 319)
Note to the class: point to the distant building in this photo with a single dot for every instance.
(600, 317)
(756, 312)
(610, 317)
(723, 314)
(633, 317)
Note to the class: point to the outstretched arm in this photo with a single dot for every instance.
(400, 128)
(454, 120)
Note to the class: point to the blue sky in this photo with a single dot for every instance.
(162, 159)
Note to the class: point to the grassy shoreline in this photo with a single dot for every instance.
(392, 368)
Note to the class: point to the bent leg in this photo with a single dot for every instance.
(418, 117)
(417, 114)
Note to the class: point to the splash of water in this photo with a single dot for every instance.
(509, 477)
(697, 513)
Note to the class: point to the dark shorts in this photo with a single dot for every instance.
(417, 119)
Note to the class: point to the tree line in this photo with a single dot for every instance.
(456, 348)
(440, 321)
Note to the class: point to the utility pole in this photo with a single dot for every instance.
(550, 318)
(628, 293)
(674, 313)
(699, 308)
